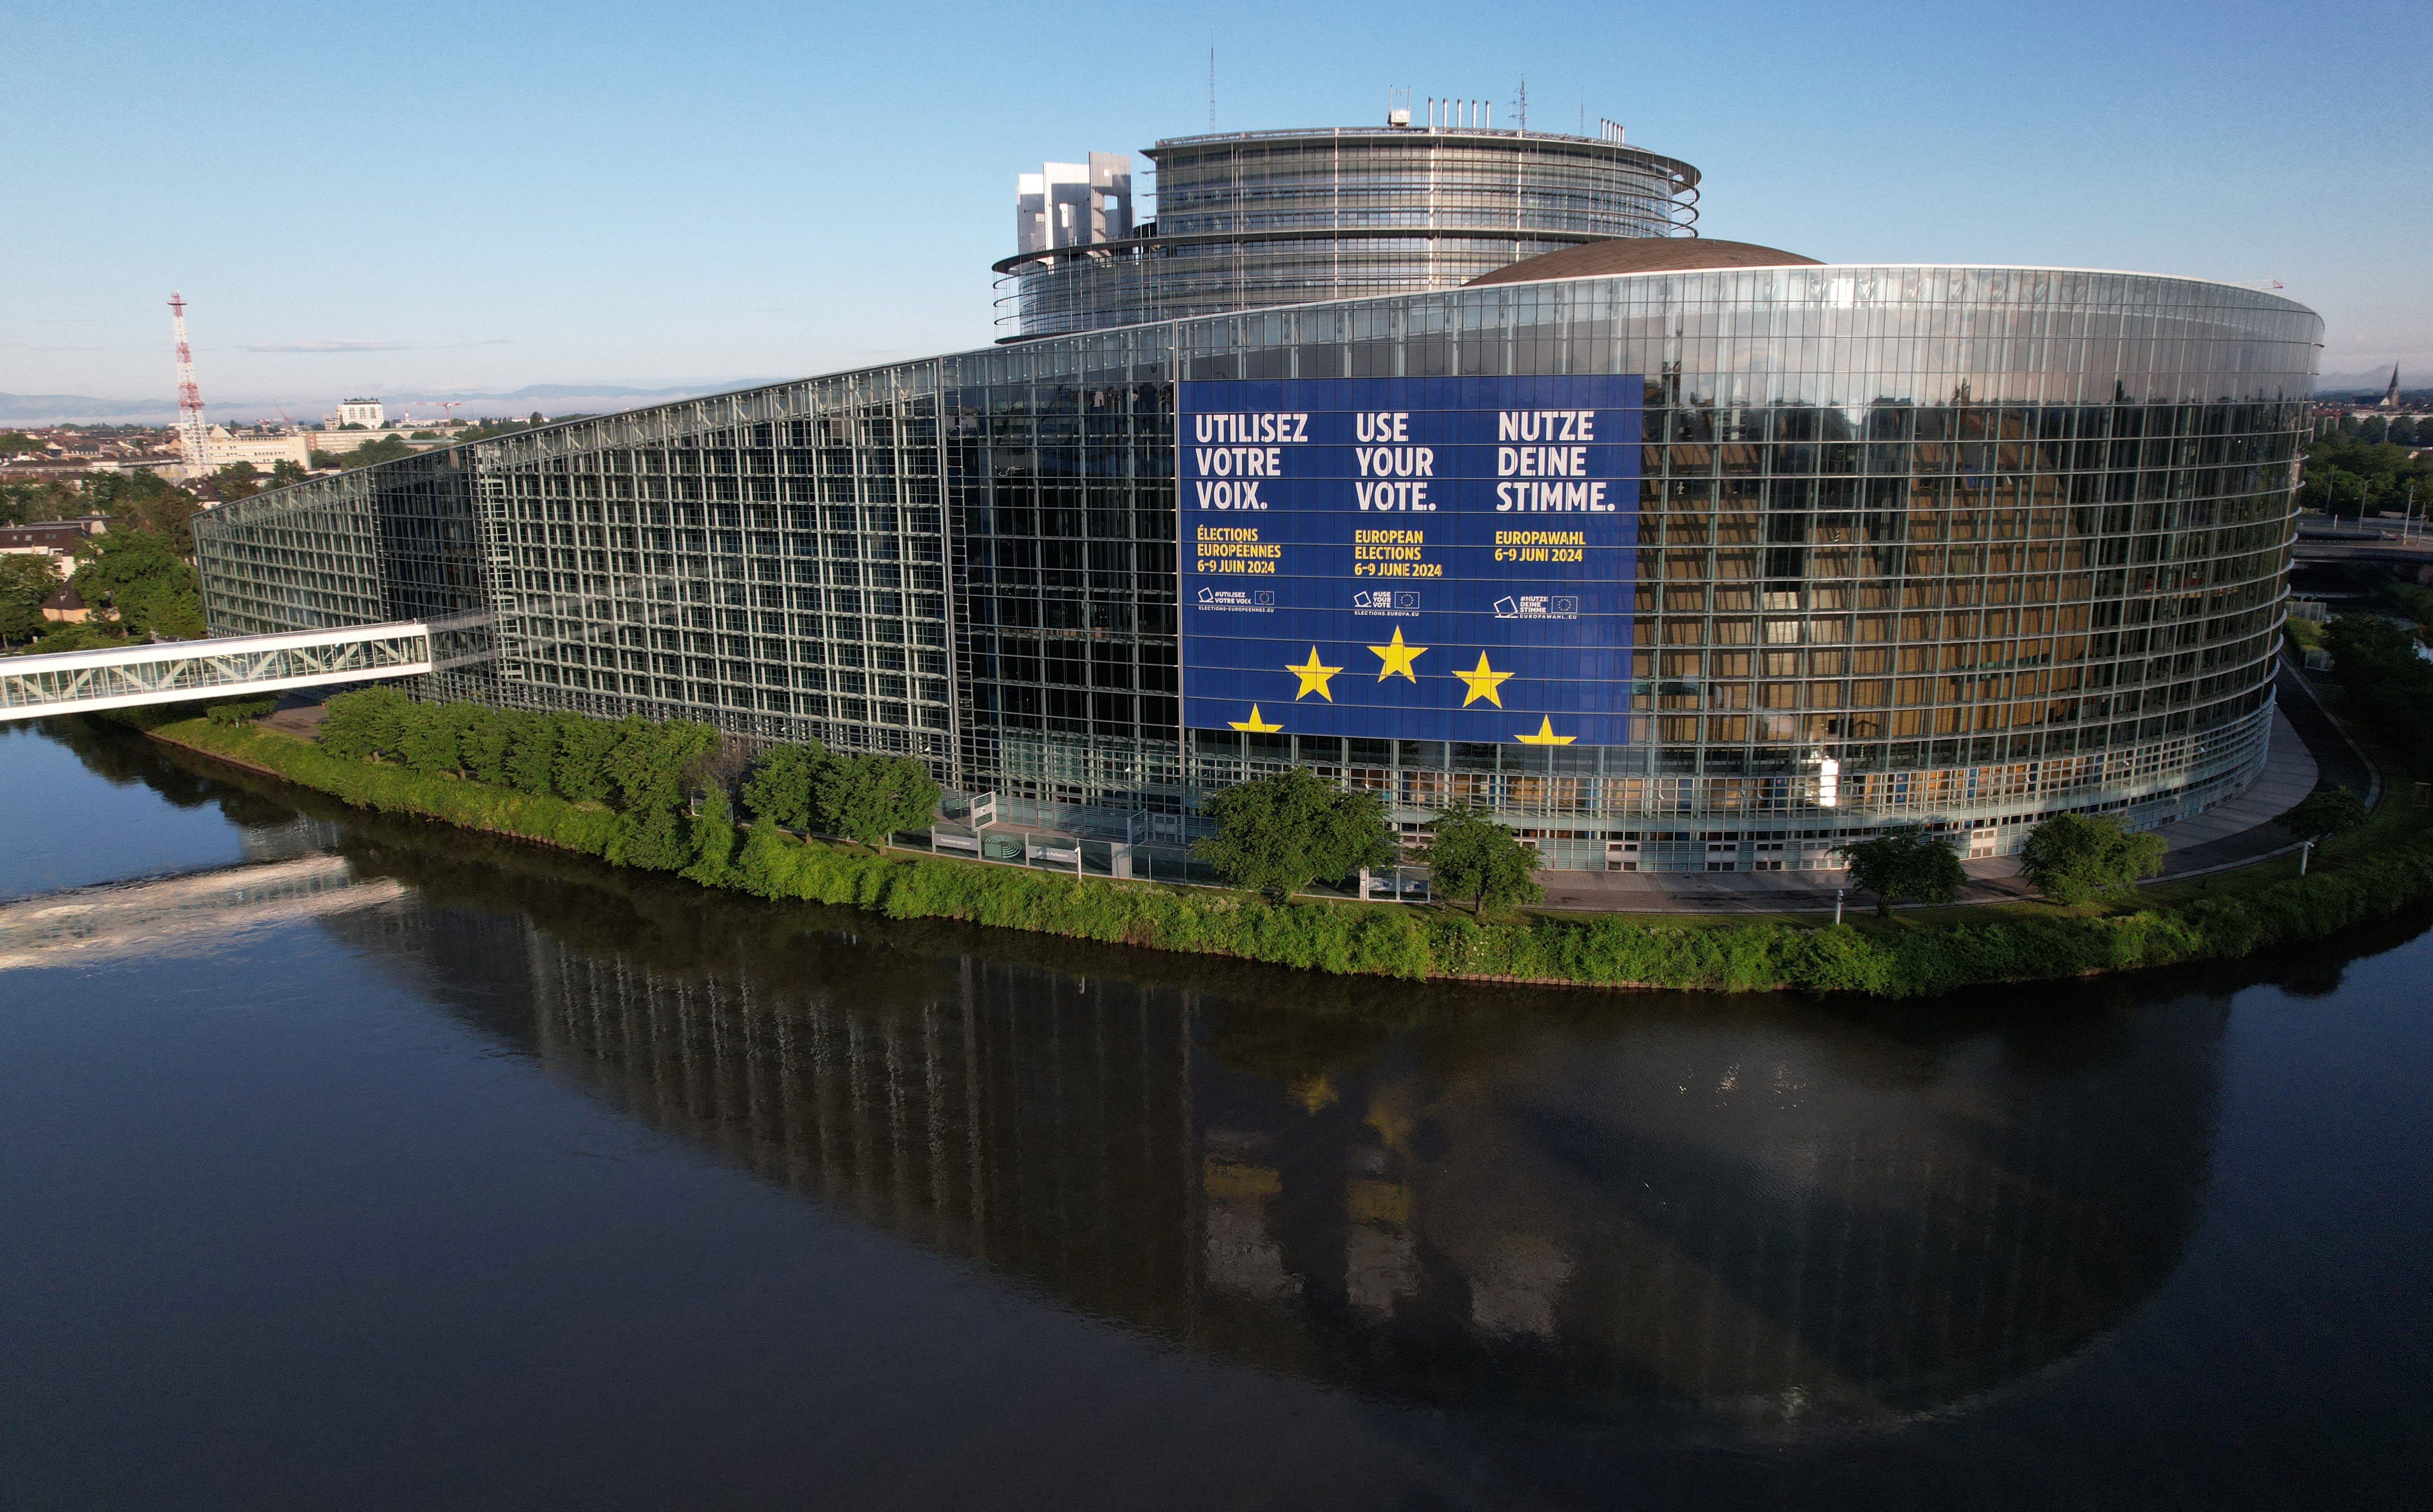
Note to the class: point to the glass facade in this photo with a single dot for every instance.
(1984, 543)
(1251, 220)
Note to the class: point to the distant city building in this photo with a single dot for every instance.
(225, 449)
(366, 413)
(55, 538)
(66, 607)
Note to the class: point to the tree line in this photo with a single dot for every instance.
(2348, 472)
(667, 783)
(665, 780)
(137, 578)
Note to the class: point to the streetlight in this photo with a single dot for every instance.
(1837, 908)
(2306, 854)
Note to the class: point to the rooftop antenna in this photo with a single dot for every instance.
(190, 399)
(1212, 88)
(1520, 105)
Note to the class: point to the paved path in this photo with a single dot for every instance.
(2308, 752)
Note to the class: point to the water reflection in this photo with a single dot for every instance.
(1678, 1214)
(1660, 1210)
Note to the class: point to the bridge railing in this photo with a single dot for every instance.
(75, 682)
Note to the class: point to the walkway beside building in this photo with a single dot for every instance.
(2307, 751)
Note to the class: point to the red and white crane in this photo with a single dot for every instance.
(191, 435)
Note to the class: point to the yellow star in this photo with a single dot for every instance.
(1545, 734)
(1483, 683)
(1258, 726)
(1398, 659)
(1312, 677)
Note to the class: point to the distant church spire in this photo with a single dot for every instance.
(2391, 395)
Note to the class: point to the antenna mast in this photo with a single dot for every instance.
(190, 399)
(1212, 89)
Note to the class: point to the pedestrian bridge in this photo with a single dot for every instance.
(80, 682)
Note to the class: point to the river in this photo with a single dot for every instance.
(355, 1162)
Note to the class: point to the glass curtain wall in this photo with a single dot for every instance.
(1999, 542)
(1270, 218)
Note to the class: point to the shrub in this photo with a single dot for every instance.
(2074, 857)
(242, 711)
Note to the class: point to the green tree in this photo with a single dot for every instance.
(285, 471)
(142, 578)
(783, 783)
(2323, 813)
(652, 837)
(2376, 662)
(25, 503)
(581, 773)
(26, 580)
(1470, 856)
(1276, 835)
(531, 752)
(381, 449)
(238, 479)
(868, 798)
(1905, 863)
(17, 443)
(654, 762)
(713, 840)
(364, 722)
(140, 501)
(430, 736)
(79, 638)
(2074, 857)
(484, 743)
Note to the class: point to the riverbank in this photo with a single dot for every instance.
(2369, 875)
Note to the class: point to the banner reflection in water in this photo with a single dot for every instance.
(1656, 1210)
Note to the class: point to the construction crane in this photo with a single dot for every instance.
(192, 438)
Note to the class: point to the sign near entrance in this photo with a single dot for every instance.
(1413, 558)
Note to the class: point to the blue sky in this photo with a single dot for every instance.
(441, 196)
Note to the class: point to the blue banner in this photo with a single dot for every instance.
(1413, 558)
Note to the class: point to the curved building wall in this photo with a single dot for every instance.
(1259, 220)
(2000, 542)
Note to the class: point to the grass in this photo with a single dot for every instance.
(2376, 873)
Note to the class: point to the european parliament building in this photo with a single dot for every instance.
(1443, 461)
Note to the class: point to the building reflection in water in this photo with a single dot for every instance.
(1648, 1209)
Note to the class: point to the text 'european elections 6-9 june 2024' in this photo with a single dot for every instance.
(1412, 558)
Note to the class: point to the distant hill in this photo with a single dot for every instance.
(56, 409)
(2373, 383)
(61, 409)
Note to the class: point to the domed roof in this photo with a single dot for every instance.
(1643, 254)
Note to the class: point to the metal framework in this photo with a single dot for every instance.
(77, 682)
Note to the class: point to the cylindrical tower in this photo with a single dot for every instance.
(1251, 220)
